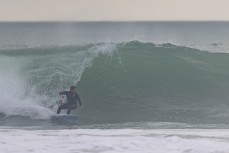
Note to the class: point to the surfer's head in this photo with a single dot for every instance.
(73, 88)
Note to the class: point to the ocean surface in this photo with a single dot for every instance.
(145, 86)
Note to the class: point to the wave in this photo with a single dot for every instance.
(119, 82)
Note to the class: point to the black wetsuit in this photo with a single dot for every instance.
(72, 99)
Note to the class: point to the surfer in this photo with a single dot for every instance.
(72, 98)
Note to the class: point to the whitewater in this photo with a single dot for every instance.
(112, 141)
(145, 86)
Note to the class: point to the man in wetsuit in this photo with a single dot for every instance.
(72, 98)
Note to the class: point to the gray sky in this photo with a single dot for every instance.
(121, 10)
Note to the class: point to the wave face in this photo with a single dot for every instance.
(118, 83)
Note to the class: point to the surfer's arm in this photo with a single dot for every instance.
(63, 93)
(79, 100)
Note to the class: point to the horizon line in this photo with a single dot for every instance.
(72, 21)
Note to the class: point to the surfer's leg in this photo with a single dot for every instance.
(69, 110)
(64, 106)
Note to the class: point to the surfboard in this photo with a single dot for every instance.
(66, 118)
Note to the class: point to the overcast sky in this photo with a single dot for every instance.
(113, 10)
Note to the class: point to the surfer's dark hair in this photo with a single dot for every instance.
(72, 87)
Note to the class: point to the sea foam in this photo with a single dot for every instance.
(113, 141)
